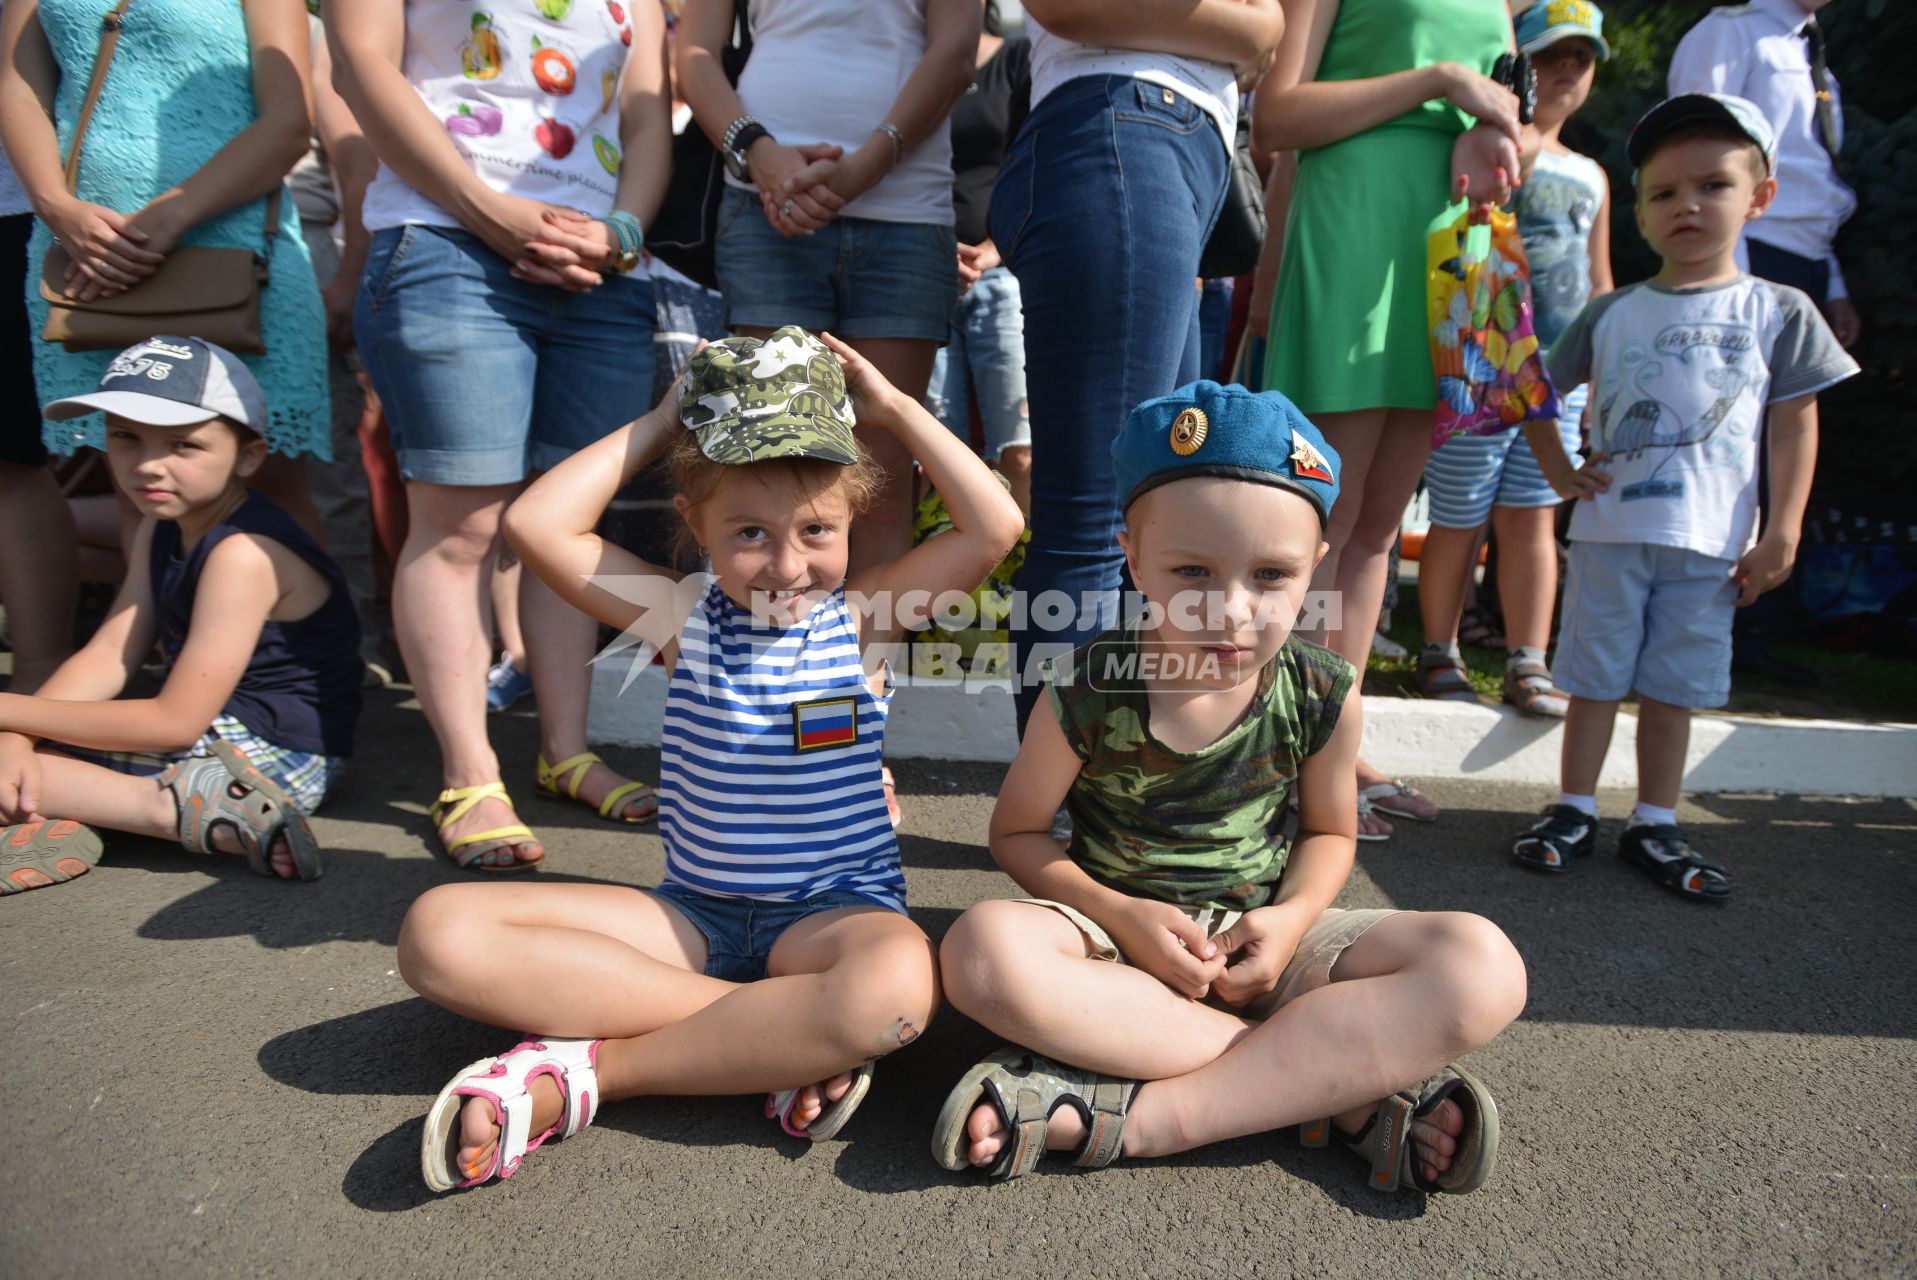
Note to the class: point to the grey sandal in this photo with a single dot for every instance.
(1387, 1145)
(1027, 1088)
(226, 790)
(1528, 687)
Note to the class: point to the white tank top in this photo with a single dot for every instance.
(828, 71)
(1212, 86)
(529, 94)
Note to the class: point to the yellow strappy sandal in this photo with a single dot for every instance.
(455, 803)
(573, 769)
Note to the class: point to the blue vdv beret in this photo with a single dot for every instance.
(1205, 429)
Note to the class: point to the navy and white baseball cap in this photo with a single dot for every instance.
(172, 382)
(1739, 114)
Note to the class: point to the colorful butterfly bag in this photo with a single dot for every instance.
(1491, 374)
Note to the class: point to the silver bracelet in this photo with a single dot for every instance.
(892, 131)
(733, 130)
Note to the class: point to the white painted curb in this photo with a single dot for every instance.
(1406, 736)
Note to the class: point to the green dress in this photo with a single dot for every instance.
(1348, 320)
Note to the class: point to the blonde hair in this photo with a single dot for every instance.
(697, 478)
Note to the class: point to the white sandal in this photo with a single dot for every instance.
(1365, 810)
(503, 1082)
(1378, 793)
(832, 1117)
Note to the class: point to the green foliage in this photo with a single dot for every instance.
(1870, 423)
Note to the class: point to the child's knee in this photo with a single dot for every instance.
(888, 998)
(980, 948)
(436, 937)
(1485, 981)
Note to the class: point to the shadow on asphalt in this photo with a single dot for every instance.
(1817, 939)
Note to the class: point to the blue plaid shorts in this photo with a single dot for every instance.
(304, 776)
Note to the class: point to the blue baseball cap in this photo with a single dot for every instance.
(1549, 21)
(1739, 114)
(172, 382)
(1205, 429)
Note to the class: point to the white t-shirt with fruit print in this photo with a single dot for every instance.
(528, 91)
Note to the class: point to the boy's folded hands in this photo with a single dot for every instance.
(1256, 950)
(1168, 944)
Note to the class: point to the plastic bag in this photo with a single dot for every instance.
(1491, 375)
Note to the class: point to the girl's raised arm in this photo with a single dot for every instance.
(986, 523)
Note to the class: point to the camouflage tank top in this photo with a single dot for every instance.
(1199, 828)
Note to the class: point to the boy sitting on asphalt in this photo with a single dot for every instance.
(1186, 939)
(257, 630)
(1687, 369)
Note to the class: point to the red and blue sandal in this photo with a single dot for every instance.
(503, 1082)
(34, 855)
(780, 1103)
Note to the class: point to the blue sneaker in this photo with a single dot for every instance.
(506, 684)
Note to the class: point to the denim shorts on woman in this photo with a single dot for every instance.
(740, 932)
(984, 363)
(1468, 475)
(857, 277)
(485, 378)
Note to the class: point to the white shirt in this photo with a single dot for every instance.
(1212, 86)
(531, 102)
(829, 71)
(1681, 380)
(1758, 51)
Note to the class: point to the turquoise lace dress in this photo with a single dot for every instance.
(180, 88)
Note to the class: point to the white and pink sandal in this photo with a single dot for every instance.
(503, 1081)
(780, 1102)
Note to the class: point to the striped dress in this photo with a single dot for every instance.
(769, 772)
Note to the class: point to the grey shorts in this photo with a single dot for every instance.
(1651, 618)
(1310, 968)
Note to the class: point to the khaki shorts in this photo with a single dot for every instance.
(1310, 968)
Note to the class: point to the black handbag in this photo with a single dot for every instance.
(681, 233)
(1238, 237)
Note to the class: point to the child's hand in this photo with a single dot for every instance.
(873, 398)
(1263, 942)
(1168, 944)
(1588, 481)
(1763, 567)
(19, 778)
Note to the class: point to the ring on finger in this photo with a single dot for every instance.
(786, 208)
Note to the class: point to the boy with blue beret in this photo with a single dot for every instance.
(1179, 975)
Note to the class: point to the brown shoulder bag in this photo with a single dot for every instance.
(199, 292)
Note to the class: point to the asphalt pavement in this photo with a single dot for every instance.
(214, 1075)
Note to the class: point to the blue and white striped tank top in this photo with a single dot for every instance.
(769, 768)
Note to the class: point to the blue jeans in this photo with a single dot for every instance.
(1102, 209)
(485, 378)
(986, 356)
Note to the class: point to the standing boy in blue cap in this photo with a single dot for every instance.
(1687, 369)
(1182, 954)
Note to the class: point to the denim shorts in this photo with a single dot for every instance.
(985, 359)
(485, 378)
(1650, 618)
(740, 932)
(857, 277)
(1468, 475)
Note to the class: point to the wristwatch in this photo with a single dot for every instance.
(740, 135)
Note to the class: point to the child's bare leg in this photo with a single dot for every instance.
(1413, 993)
(102, 797)
(1663, 739)
(1587, 739)
(596, 961)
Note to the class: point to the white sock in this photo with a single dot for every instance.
(1583, 804)
(1524, 654)
(1649, 815)
(1445, 649)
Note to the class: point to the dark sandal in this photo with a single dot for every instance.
(34, 855)
(1387, 1143)
(1478, 628)
(1445, 681)
(1562, 834)
(1027, 1088)
(226, 790)
(1681, 870)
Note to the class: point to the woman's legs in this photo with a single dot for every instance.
(39, 572)
(439, 616)
(1382, 452)
(592, 961)
(884, 533)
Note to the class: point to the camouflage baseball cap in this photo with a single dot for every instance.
(749, 401)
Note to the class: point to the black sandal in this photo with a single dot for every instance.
(1661, 852)
(1563, 833)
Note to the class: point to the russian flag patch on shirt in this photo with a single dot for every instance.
(827, 722)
